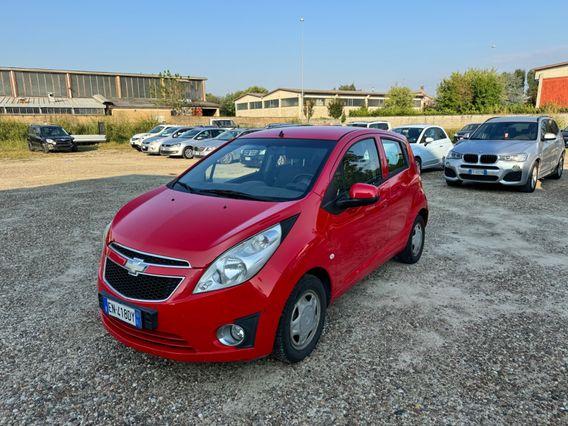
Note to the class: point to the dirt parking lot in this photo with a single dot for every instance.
(477, 331)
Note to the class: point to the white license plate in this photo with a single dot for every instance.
(247, 158)
(477, 172)
(124, 313)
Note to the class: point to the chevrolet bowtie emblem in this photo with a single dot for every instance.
(135, 266)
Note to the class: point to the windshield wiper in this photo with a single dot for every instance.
(184, 186)
(229, 193)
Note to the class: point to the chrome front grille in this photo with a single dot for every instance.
(149, 258)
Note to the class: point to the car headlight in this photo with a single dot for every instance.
(241, 262)
(514, 157)
(51, 141)
(208, 148)
(175, 145)
(453, 155)
(105, 233)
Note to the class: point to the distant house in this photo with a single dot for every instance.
(288, 103)
(552, 84)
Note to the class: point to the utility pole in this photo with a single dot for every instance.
(302, 66)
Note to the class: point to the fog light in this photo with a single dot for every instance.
(231, 335)
(516, 168)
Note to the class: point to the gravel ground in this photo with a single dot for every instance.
(476, 332)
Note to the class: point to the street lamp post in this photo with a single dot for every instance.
(302, 65)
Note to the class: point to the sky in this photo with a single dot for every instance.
(236, 44)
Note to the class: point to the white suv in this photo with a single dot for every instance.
(381, 125)
(430, 144)
(138, 138)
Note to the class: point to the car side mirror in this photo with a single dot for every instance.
(549, 137)
(428, 140)
(360, 194)
(466, 136)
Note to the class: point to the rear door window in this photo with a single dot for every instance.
(396, 155)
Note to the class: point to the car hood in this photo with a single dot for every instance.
(140, 135)
(471, 146)
(194, 227)
(170, 141)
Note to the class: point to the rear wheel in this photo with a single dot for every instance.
(302, 321)
(415, 244)
(530, 184)
(188, 152)
(557, 174)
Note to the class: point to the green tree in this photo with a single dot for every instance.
(347, 87)
(309, 108)
(475, 91)
(210, 97)
(532, 88)
(514, 87)
(399, 99)
(170, 91)
(227, 107)
(335, 108)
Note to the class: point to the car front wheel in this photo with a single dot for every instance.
(530, 184)
(188, 152)
(302, 321)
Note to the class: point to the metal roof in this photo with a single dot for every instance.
(545, 67)
(122, 74)
(45, 102)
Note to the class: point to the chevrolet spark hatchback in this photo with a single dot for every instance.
(233, 262)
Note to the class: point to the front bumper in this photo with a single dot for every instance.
(171, 151)
(187, 323)
(501, 172)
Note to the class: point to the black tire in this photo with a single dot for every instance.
(413, 251)
(284, 347)
(557, 174)
(418, 164)
(30, 146)
(188, 152)
(530, 184)
(45, 148)
(74, 148)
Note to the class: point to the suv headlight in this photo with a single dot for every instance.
(514, 157)
(453, 155)
(241, 262)
(51, 141)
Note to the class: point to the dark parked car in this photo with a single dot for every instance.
(50, 138)
(565, 136)
(465, 131)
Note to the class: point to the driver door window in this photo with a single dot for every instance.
(360, 164)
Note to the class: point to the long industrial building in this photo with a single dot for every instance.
(36, 91)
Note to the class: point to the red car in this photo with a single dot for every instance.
(233, 262)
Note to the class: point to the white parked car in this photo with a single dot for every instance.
(138, 138)
(381, 125)
(430, 144)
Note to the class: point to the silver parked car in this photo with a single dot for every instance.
(184, 144)
(152, 144)
(515, 151)
(207, 146)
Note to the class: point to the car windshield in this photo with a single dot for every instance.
(258, 169)
(506, 130)
(469, 128)
(190, 133)
(169, 131)
(53, 132)
(228, 135)
(411, 133)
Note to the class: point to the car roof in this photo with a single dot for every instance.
(521, 118)
(314, 132)
(417, 126)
